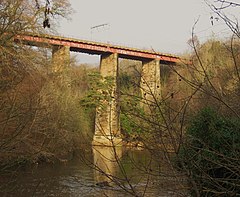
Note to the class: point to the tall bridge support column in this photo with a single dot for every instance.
(60, 58)
(150, 83)
(107, 124)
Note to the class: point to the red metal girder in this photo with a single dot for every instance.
(96, 47)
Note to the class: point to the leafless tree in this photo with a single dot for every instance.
(220, 8)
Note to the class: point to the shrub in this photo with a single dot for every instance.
(211, 154)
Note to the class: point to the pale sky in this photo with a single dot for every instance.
(162, 25)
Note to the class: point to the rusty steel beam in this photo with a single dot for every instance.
(94, 47)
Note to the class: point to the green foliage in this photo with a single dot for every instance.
(100, 90)
(129, 126)
(125, 81)
(131, 116)
(129, 80)
(215, 132)
(211, 153)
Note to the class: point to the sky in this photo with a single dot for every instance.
(162, 25)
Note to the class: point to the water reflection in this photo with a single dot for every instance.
(137, 173)
(106, 161)
(106, 166)
(115, 171)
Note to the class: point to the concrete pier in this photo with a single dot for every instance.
(107, 124)
(150, 84)
(60, 58)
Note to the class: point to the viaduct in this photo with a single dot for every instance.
(107, 125)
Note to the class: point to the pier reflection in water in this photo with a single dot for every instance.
(121, 172)
(106, 165)
(115, 173)
(106, 162)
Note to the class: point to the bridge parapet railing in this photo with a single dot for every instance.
(115, 44)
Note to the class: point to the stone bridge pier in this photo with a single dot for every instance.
(107, 120)
(107, 123)
(60, 58)
(150, 83)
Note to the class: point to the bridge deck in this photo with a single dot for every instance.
(91, 47)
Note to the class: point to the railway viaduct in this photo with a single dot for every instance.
(107, 125)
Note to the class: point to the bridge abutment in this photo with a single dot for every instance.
(107, 124)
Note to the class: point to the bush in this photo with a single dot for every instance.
(211, 154)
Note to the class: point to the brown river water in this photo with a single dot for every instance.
(100, 172)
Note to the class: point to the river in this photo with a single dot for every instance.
(99, 172)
